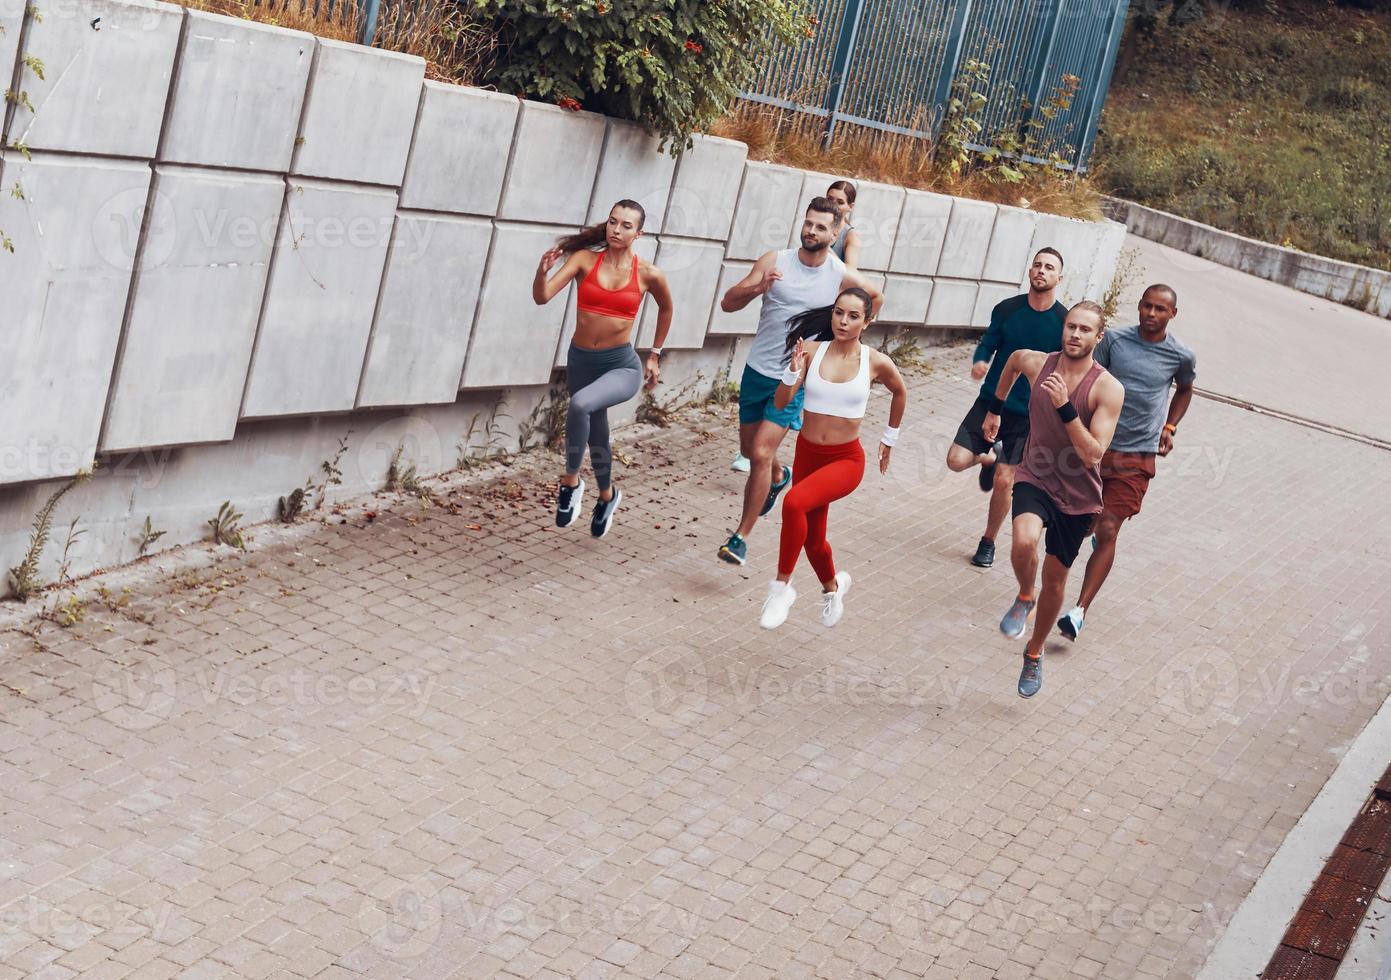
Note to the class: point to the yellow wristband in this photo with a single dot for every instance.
(1171, 428)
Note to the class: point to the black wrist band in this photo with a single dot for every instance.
(1067, 412)
(997, 406)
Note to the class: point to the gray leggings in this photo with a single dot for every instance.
(598, 380)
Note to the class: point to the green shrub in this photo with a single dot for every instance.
(674, 66)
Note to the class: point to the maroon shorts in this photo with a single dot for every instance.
(1124, 479)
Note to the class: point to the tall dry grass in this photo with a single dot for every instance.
(455, 47)
(794, 139)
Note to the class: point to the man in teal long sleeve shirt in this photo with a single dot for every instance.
(1029, 321)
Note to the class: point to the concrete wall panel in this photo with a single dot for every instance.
(192, 324)
(359, 114)
(878, 209)
(706, 189)
(320, 299)
(768, 215)
(990, 294)
(692, 269)
(646, 247)
(459, 158)
(514, 341)
(953, 303)
(248, 80)
(75, 234)
(633, 168)
(555, 161)
(425, 314)
(104, 89)
(968, 239)
(1103, 267)
(921, 232)
(906, 299)
(743, 323)
(1008, 258)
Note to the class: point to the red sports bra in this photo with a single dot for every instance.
(621, 303)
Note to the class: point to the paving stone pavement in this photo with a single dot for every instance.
(456, 742)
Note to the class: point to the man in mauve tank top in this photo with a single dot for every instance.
(1073, 408)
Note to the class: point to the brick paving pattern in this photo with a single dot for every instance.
(405, 747)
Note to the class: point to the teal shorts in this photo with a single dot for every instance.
(756, 402)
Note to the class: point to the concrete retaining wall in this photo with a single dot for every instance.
(1343, 282)
(235, 243)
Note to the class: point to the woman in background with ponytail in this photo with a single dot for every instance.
(847, 243)
(837, 369)
(602, 369)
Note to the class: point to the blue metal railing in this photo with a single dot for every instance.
(891, 64)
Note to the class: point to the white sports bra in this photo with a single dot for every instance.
(845, 399)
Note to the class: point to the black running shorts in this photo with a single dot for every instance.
(1014, 431)
(1064, 532)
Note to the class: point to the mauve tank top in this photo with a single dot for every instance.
(1050, 461)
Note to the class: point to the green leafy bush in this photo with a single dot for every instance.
(674, 66)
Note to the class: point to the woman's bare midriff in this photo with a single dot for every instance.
(829, 430)
(594, 331)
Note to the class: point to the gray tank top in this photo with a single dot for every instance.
(801, 288)
(838, 246)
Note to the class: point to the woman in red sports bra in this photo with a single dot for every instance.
(602, 369)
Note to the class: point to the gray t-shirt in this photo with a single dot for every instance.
(801, 288)
(1146, 370)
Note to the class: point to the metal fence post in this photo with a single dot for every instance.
(951, 57)
(1039, 72)
(368, 11)
(840, 64)
(1106, 66)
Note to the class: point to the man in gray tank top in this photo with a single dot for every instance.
(1073, 407)
(789, 282)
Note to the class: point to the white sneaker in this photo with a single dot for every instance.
(781, 596)
(833, 603)
(740, 464)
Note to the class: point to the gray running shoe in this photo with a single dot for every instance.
(1016, 619)
(1031, 676)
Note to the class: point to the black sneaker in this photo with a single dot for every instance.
(985, 554)
(1030, 676)
(776, 489)
(567, 505)
(603, 513)
(987, 473)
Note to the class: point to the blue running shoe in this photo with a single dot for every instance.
(776, 489)
(735, 550)
(1030, 676)
(1016, 619)
(1071, 623)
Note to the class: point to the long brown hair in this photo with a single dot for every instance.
(596, 234)
(816, 324)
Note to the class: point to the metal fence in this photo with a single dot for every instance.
(890, 65)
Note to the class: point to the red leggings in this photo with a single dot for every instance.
(820, 474)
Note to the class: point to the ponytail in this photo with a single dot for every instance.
(597, 234)
(816, 324)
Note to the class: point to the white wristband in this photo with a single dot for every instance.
(890, 436)
(791, 377)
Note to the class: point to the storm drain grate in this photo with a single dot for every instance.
(1323, 928)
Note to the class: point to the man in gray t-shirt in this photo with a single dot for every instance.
(1147, 360)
